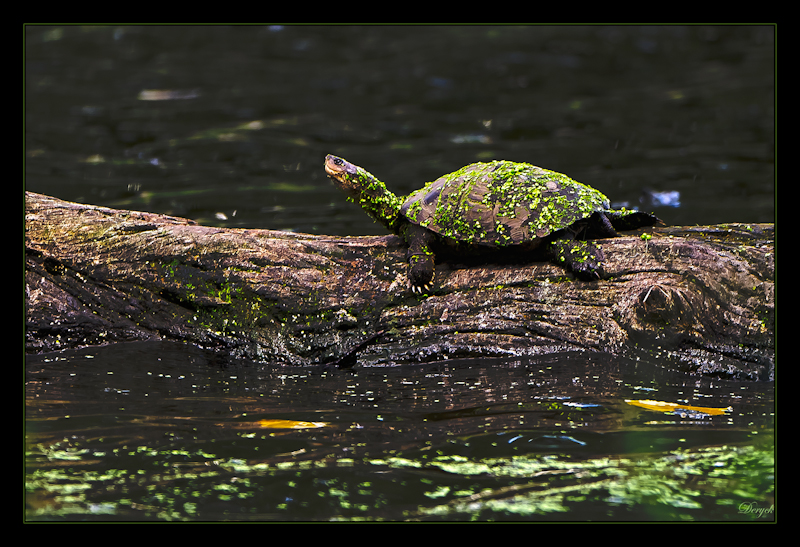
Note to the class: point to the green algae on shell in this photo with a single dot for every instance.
(501, 203)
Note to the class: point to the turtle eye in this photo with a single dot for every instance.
(338, 161)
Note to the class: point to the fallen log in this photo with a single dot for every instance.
(699, 298)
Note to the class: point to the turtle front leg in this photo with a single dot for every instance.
(421, 264)
(583, 258)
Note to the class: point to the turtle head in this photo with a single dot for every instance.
(344, 174)
(365, 190)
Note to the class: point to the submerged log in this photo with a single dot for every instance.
(700, 299)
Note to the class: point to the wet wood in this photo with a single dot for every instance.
(700, 299)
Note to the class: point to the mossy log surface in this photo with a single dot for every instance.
(701, 299)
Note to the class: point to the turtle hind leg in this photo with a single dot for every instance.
(606, 227)
(583, 258)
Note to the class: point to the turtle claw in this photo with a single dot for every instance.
(419, 289)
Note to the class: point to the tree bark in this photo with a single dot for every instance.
(701, 299)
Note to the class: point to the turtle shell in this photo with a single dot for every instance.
(501, 203)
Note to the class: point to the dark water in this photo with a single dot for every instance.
(208, 121)
(230, 126)
(157, 431)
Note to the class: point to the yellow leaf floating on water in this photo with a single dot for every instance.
(661, 406)
(289, 424)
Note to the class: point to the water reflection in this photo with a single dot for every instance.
(160, 431)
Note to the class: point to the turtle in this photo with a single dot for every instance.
(491, 206)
